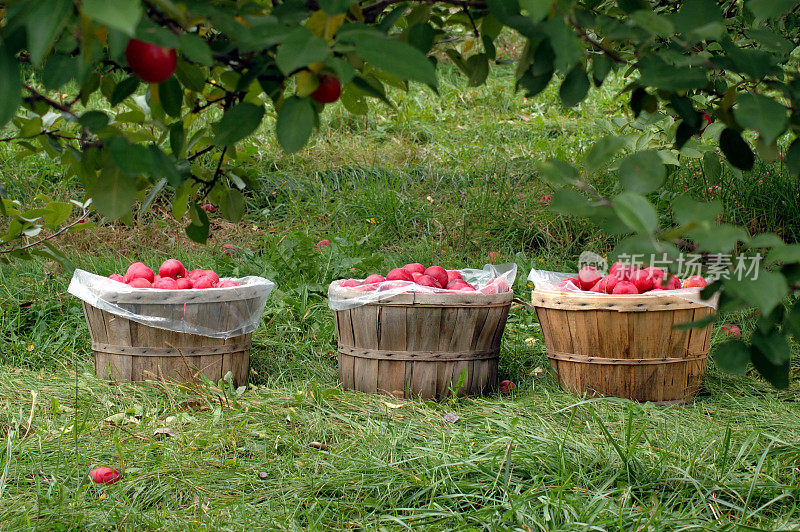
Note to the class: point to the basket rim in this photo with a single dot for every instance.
(434, 299)
(630, 303)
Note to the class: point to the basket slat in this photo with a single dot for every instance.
(418, 345)
(625, 347)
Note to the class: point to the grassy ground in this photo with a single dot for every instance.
(440, 180)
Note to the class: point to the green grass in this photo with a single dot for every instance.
(445, 180)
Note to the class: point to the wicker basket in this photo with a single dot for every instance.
(625, 346)
(126, 350)
(421, 344)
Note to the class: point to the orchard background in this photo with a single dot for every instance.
(466, 132)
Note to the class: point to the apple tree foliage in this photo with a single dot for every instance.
(715, 80)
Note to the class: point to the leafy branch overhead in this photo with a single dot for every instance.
(138, 98)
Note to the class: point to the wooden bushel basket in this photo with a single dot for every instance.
(420, 344)
(125, 350)
(625, 346)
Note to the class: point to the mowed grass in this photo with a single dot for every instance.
(445, 180)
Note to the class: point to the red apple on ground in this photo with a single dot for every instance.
(329, 89)
(374, 278)
(349, 283)
(202, 282)
(624, 288)
(427, 280)
(117, 277)
(507, 386)
(323, 243)
(166, 283)
(172, 268)
(642, 280)
(414, 267)
(104, 475)
(227, 283)
(588, 277)
(184, 283)
(399, 274)
(140, 282)
(152, 63)
(438, 273)
(209, 208)
(138, 270)
(493, 256)
(694, 281)
(729, 329)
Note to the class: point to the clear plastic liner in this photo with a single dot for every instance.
(213, 312)
(492, 279)
(556, 282)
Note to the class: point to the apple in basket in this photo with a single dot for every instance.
(694, 281)
(399, 274)
(374, 279)
(166, 283)
(350, 283)
(427, 280)
(438, 273)
(139, 270)
(588, 276)
(172, 268)
(625, 288)
(414, 267)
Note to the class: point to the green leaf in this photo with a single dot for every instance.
(636, 212)
(296, 119)
(58, 212)
(642, 172)
(191, 76)
(720, 238)
(421, 36)
(301, 48)
(569, 201)
(765, 292)
(114, 194)
(777, 375)
(10, 85)
(787, 253)
(43, 24)
(700, 19)
(557, 172)
(712, 167)
(657, 73)
(177, 138)
(198, 230)
(767, 9)
(793, 158)
(130, 158)
(655, 24)
(58, 70)
(171, 96)
(479, 69)
(766, 240)
(687, 210)
(736, 149)
(123, 15)
(195, 48)
(237, 123)
(732, 356)
(123, 89)
(232, 206)
(534, 83)
(334, 7)
(395, 57)
(773, 345)
(564, 43)
(575, 86)
(601, 152)
(601, 66)
(762, 114)
(94, 121)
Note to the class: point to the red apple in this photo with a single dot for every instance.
(729, 329)
(209, 208)
(104, 475)
(117, 277)
(452, 275)
(467, 288)
(655, 273)
(166, 283)
(138, 270)
(642, 280)
(694, 281)
(588, 277)
(140, 282)
(414, 267)
(495, 286)
(438, 273)
(196, 273)
(416, 275)
(427, 280)
(184, 283)
(172, 268)
(211, 274)
(399, 274)
(202, 282)
(349, 283)
(624, 288)
(152, 63)
(569, 282)
(493, 256)
(673, 283)
(507, 386)
(374, 279)
(227, 283)
(323, 243)
(606, 284)
(329, 89)
(597, 288)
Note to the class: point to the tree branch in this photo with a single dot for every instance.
(50, 237)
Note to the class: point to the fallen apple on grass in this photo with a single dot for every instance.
(507, 386)
(729, 329)
(104, 475)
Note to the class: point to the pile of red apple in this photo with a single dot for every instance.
(417, 274)
(622, 280)
(172, 275)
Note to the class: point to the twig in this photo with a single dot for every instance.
(45, 239)
(49, 101)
